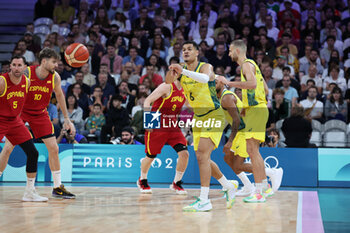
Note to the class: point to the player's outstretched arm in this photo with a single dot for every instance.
(62, 102)
(163, 90)
(228, 102)
(249, 74)
(202, 77)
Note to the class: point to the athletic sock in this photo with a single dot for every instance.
(265, 185)
(56, 176)
(178, 176)
(259, 187)
(244, 178)
(225, 183)
(143, 176)
(269, 172)
(204, 193)
(30, 183)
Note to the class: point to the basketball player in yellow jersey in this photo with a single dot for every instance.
(198, 81)
(255, 114)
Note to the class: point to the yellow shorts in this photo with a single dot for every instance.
(255, 120)
(212, 126)
(239, 145)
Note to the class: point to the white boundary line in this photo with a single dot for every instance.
(300, 213)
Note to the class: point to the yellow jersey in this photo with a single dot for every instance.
(239, 106)
(201, 96)
(252, 97)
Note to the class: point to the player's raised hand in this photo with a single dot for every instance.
(221, 79)
(68, 125)
(176, 67)
(171, 76)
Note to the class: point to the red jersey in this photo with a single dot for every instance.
(170, 107)
(13, 98)
(39, 94)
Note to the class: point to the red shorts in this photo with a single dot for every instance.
(40, 124)
(155, 140)
(14, 130)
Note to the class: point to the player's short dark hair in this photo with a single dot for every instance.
(48, 53)
(192, 43)
(17, 57)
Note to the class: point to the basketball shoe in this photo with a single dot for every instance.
(245, 191)
(198, 206)
(143, 186)
(230, 194)
(255, 198)
(177, 187)
(276, 179)
(61, 192)
(268, 192)
(30, 194)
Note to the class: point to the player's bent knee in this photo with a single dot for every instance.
(179, 147)
(32, 156)
(151, 156)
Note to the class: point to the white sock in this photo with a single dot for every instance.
(56, 176)
(204, 193)
(244, 178)
(225, 183)
(143, 176)
(269, 172)
(265, 184)
(0, 174)
(259, 187)
(30, 183)
(178, 176)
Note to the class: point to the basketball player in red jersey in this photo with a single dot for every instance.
(44, 80)
(168, 100)
(13, 91)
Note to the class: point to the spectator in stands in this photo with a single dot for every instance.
(164, 6)
(155, 78)
(28, 55)
(270, 81)
(278, 70)
(102, 19)
(203, 33)
(311, 27)
(312, 75)
(291, 59)
(108, 90)
(28, 38)
(294, 82)
(75, 113)
(82, 98)
(95, 122)
(94, 58)
(135, 59)
(158, 44)
(290, 93)
(95, 35)
(83, 21)
(334, 77)
(312, 59)
(272, 31)
(160, 65)
(53, 37)
(36, 38)
(89, 79)
(113, 61)
(175, 51)
(117, 119)
(336, 107)
(310, 83)
(325, 32)
(96, 98)
(225, 28)
(77, 35)
(66, 137)
(79, 77)
(144, 22)
(326, 51)
(5, 67)
(286, 41)
(43, 9)
(308, 41)
(132, 76)
(296, 129)
(128, 101)
(63, 13)
(220, 58)
(280, 105)
(313, 109)
(273, 139)
(127, 137)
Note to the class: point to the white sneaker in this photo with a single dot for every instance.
(231, 194)
(245, 191)
(198, 206)
(32, 195)
(276, 179)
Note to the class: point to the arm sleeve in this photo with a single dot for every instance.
(199, 77)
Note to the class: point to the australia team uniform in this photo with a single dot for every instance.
(239, 145)
(206, 107)
(35, 108)
(11, 105)
(254, 103)
(170, 108)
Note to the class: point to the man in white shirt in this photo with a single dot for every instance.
(272, 31)
(312, 75)
(312, 107)
(334, 78)
(27, 54)
(278, 70)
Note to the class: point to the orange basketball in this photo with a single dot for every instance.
(76, 55)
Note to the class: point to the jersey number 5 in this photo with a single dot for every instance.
(37, 97)
(14, 104)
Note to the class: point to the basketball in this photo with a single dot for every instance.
(76, 55)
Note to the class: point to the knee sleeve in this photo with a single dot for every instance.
(180, 147)
(151, 156)
(32, 155)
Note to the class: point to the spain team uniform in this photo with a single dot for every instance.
(170, 108)
(239, 145)
(206, 107)
(254, 103)
(11, 105)
(35, 107)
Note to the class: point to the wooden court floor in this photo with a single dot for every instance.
(109, 209)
